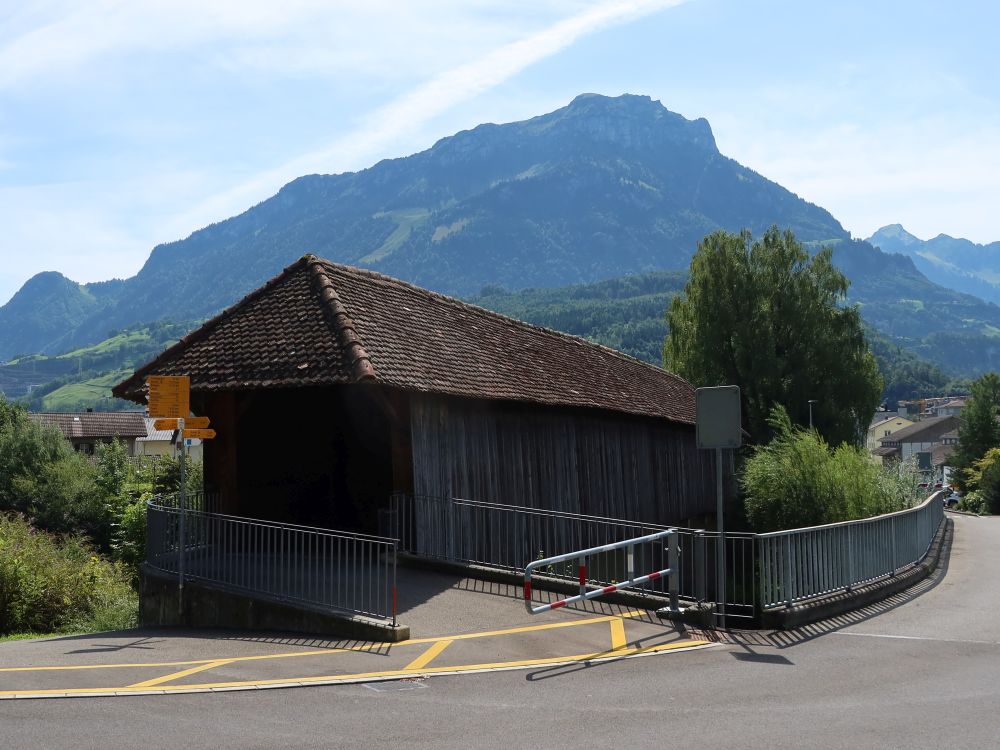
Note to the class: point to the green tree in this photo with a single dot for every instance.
(984, 478)
(978, 430)
(770, 318)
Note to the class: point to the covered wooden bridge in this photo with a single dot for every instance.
(331, 388)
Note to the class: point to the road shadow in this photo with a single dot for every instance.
(784, 639)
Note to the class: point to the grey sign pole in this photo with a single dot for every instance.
(720, 549)
(182, 503)
(718, 426)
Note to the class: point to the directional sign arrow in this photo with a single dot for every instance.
(199, 433)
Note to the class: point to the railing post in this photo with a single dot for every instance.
(583, 574)
(850, 557)
(701, 561)
(892, 535)
(673, 562)
(787, 583)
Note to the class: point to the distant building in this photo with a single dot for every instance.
(952, 408)
(163, 443)
(86, 429)
(883, 428)
(917, 441)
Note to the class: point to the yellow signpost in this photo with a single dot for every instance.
(169, 395)
(170, 400)
(198, 433)
(198, 423)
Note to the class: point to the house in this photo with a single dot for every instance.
(86, 429)
(332, 387)
(952, 408)
(163, 443)
(917, 441)
(942, 454)
(882, 427)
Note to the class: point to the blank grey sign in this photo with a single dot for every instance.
(717, 417)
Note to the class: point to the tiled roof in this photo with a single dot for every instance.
(319, 323)
(924, 431)
(942, 454)
(885, 450)
(155, 435)
(94, 424)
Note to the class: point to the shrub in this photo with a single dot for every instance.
(984, 477)
(50, 584)
(129, 538)
(973, 502)
(796, 480)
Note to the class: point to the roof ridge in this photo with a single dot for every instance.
(462, 304)
(347, 336)
(205, 328)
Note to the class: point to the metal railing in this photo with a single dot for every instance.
(801, 564)
(508, 537)
(628, 547)
(206, 502)
(340, 570)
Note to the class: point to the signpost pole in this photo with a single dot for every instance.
(182, 503)
(718, 422)
(720, 549)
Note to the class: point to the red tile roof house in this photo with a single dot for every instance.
(334, 390)
(86, 429)
(332, 387)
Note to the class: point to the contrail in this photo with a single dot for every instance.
(421, 104)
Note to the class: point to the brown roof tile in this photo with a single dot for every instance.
(94, 424)
(319, 323)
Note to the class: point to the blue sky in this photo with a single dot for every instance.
(124, 124)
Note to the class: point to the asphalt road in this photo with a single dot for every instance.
(919, 670)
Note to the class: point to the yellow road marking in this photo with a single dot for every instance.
(388, 674)
(618, 641)
(178, 675)
(425, 658)
(346, 649)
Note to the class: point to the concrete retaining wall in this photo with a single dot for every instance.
(208, 607)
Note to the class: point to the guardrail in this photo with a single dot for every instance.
(801, 564)
(505, 536)
(354, 573)
(582, 558)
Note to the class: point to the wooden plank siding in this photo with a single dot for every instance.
(580, 461)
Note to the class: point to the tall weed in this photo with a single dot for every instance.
(50, 584)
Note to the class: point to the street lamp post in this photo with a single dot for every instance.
(811, 402)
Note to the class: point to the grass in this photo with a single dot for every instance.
(70, 396)
(110, 345)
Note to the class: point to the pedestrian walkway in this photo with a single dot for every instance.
(459, 626)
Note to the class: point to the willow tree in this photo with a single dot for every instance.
(771, 318)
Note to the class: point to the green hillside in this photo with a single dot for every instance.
(628, 314)
(83, 377)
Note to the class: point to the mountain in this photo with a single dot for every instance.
(628, 314)
(600, 189)
(42, 315)
(954, 262)
(597, 189)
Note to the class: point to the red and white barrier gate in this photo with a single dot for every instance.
(586, 592)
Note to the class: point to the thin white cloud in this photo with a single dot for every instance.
(876, 174)
(413, 109)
